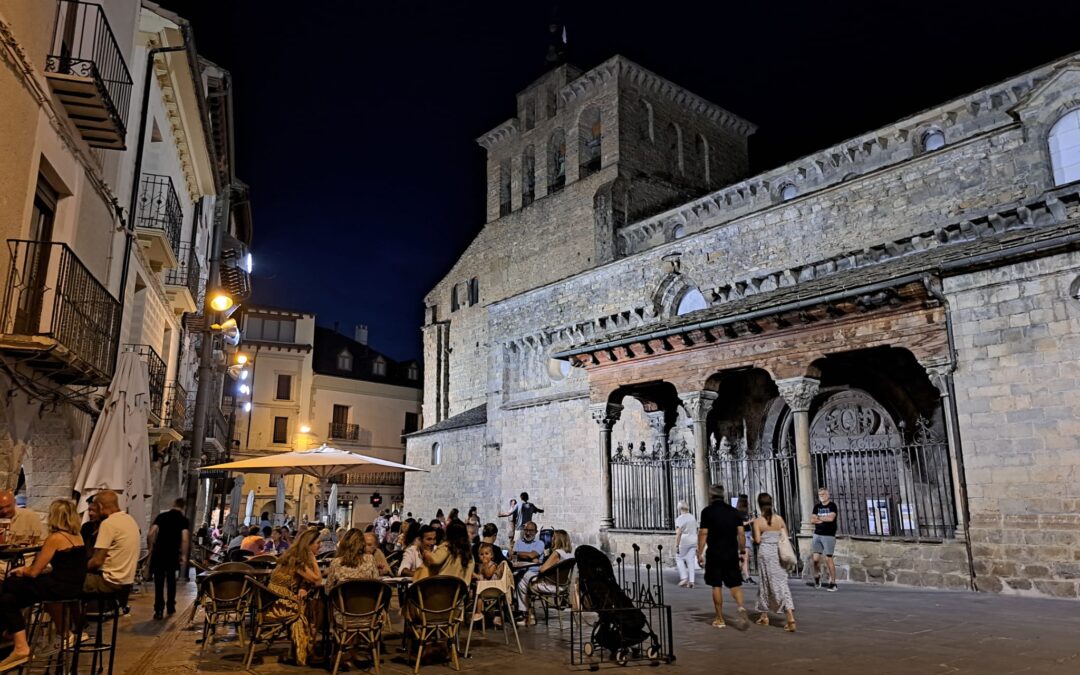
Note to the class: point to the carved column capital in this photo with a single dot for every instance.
(698, 404)
(939, 377)
(605, 414)
(658, 422)
(798, 392)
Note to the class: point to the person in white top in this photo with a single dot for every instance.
(21, 524)
(116, 551)
(685, 545)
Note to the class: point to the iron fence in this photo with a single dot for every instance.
(156, 371)
(341, 431)
(83, 45)
(900, 491)
(159, 208)
(50, 293)
(187, 272)
(646, 486)
(176, 408)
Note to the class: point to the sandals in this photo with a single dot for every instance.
(14, 661)
(790, 626)
(763, 619)
(719, 623)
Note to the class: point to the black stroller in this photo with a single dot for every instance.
(621, 626)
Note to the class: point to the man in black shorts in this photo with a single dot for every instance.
(721, 527)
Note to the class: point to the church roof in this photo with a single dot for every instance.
(473, 417)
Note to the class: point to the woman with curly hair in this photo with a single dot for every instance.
(358, 557)
(295, 574)
(454, 556)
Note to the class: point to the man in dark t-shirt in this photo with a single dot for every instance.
(169, 539)
(89, 529)
(824, 541)
(721, 528)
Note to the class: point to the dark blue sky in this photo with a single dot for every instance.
(355, 120)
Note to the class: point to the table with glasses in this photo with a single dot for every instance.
(15, 555)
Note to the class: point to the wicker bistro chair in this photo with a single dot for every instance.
(264, 561)
(224, 601)
(358, 613)
(264, 628)
(552, 589)
(496, 595)
(434, 609)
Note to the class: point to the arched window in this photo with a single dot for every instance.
(474, 291)
(414, 372)
(556, 164)
(647, 129)
(1064, 142)
(530, 113)
(788, 191)
(674, 149)
(528, 176)
(551, 102)
(933, 140)
(504, 188)
(692, 301)
(702, 147)
(344, 360)
(436, 454)
(590, 132)
(679, 232)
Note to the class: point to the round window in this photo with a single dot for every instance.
(679, 232)
(788, 192)
(933, 140)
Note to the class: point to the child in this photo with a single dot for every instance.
(487, 570)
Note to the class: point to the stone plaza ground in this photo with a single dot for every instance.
(860, 629)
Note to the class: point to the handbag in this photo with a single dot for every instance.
(786, 551)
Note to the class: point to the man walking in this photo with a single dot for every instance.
(721, 527)
(169, 541)
(824, 542)
(525, 511)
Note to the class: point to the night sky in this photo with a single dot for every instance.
(355, 120)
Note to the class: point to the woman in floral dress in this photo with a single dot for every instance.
(773, 593)
(294, 576)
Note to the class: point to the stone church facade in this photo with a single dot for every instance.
(896, 317)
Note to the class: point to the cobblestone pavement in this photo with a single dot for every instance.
(860, 629)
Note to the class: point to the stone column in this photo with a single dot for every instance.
(941, 377)
(798, 393)
(698, 404)
(606, 415)
(658, 424)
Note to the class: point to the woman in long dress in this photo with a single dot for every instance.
(773, 593)
(295, 575)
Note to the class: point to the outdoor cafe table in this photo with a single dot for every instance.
(13, 556)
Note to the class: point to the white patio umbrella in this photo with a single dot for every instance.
(249, 512)
(118, 454)
(230, 524)
(322, 463)
(279, 502)
(331, 506)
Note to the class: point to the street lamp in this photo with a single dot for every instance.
(220, 301)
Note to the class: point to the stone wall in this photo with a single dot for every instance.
(933, 565)
(1018, 397)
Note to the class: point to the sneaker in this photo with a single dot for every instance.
(831, 587)
(816, 583)
(750, 580)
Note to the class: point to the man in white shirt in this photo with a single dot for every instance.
(24, 523)
(116, 551)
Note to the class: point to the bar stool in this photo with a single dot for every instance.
(58, 656)
(99, 609)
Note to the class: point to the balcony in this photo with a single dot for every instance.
(87, 73)
(174, 417)
(216, 440)
(390, 478)
(182, 283)
(57, 317)
(159, 220)
(156, 371)
(340, 431)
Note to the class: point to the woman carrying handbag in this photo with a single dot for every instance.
(770, 534)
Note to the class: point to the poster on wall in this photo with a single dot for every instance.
(907, 517)
(877, 516)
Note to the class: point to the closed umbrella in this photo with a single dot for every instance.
(118, 454)
(249, 512)
(331, 507)
(234, 506)
(279, 502)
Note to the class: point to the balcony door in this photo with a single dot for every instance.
(33, 286)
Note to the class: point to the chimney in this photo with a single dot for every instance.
(361, 334)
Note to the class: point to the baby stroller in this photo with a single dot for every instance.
(621, 627)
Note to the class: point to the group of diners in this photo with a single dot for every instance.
(68, 567)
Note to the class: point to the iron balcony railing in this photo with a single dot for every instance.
(83, 45)
(156, 371)
(341, 431)
(217, 425)
(186, 274)
(50, 293)
(159, 208)
(376, 478)
(176, 400)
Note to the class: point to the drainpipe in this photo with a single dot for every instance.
(139, 146)
(933, 287)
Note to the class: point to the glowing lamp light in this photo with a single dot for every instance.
(244, 389)
(247, 406)
(220, 301)
(241, 359)
(305, 429)
(244, 374)
(249, 264)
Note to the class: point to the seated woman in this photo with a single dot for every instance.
(413, 557)
(561, 551)
(275, 544)
(452, 558)
(65, 551)
(296, 573)
(358, 557)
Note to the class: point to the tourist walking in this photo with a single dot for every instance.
(511, 516)
(169, 541)
(743, 507)
(824, 541)
(721, 528)
(525, 511)
(773, 593)
(686, 545)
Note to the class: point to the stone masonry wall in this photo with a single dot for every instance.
(1018, 397)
